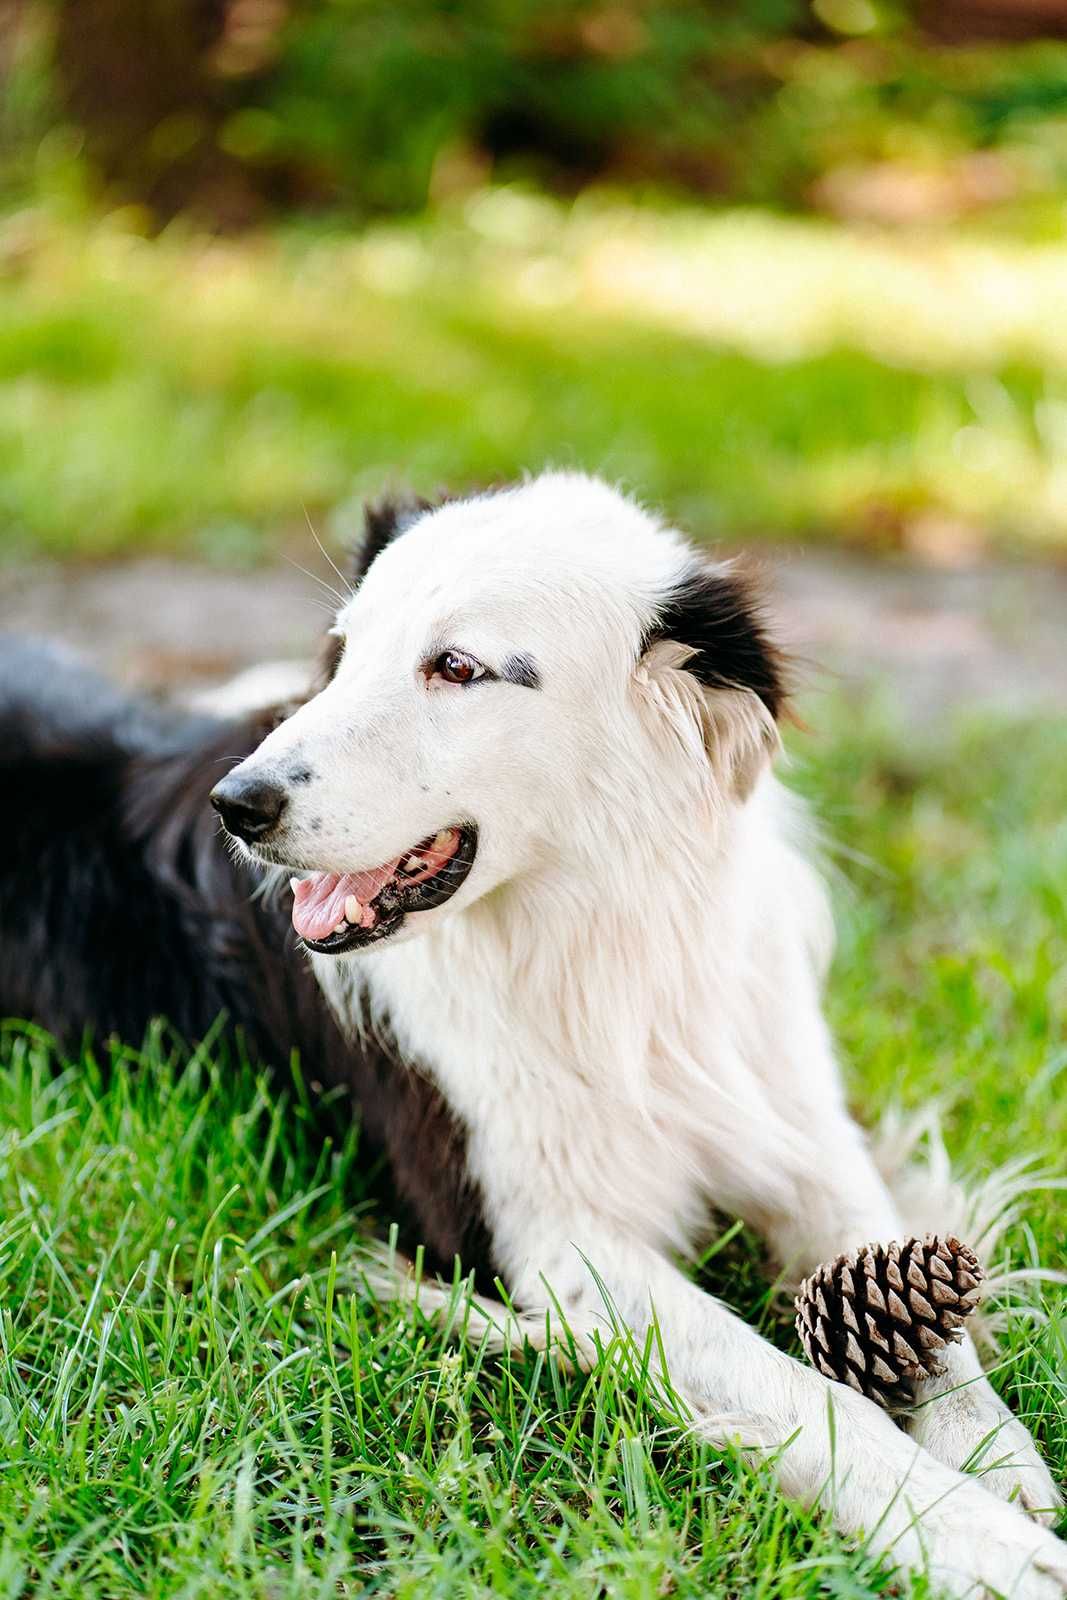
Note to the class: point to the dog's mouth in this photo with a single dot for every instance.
(334, 912)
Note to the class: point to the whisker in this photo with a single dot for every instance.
(320, 605)
(327, 554)
(330, 590)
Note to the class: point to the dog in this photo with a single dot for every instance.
(555, 920)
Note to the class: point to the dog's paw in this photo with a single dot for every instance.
(971, 1545)
(971, 1428)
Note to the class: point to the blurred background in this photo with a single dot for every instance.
(797, 271)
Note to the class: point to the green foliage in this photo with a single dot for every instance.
(375, 94)
(740, 102)
(199, 1394)
(375, 107)
(918, 108)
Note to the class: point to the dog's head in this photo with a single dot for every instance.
(517, 680)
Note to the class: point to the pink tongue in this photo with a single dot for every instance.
(319, 901)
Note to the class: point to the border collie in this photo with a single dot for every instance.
(571, 947)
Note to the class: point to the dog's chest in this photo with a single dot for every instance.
(549, 1131)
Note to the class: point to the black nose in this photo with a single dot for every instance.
(249, 807)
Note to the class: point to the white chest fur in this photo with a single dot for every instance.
(616, 1061)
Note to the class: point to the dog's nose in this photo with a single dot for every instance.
(249, 807)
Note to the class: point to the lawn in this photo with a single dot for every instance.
(752, 373)
(199, 1396)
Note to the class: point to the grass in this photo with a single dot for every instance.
(199, 1395)
(752, 373)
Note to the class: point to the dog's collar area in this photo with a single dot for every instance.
(337, 912)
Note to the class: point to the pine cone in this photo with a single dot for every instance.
(878, 1318)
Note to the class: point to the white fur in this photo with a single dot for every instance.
(622, 1001)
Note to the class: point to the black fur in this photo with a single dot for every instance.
(383, 522)
(521, 670)
(717, 613)
(120, 902)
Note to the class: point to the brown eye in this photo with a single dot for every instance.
(455, 667)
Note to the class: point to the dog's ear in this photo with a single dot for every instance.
(383, 521)
(716, 611)
(711, 663)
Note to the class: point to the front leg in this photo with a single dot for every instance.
(826, 1445)
(959, 1417)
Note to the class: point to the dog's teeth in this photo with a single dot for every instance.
(413, 863)
(352, 909)
(293, 883)
(443, 840)
(340, 928)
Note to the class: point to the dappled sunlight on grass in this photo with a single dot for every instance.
(784, 288)
(755, 374)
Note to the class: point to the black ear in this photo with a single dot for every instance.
(383, 521)
(717, 612)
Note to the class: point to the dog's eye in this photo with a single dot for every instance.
(455, 667)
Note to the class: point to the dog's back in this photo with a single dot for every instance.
(118, 901)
